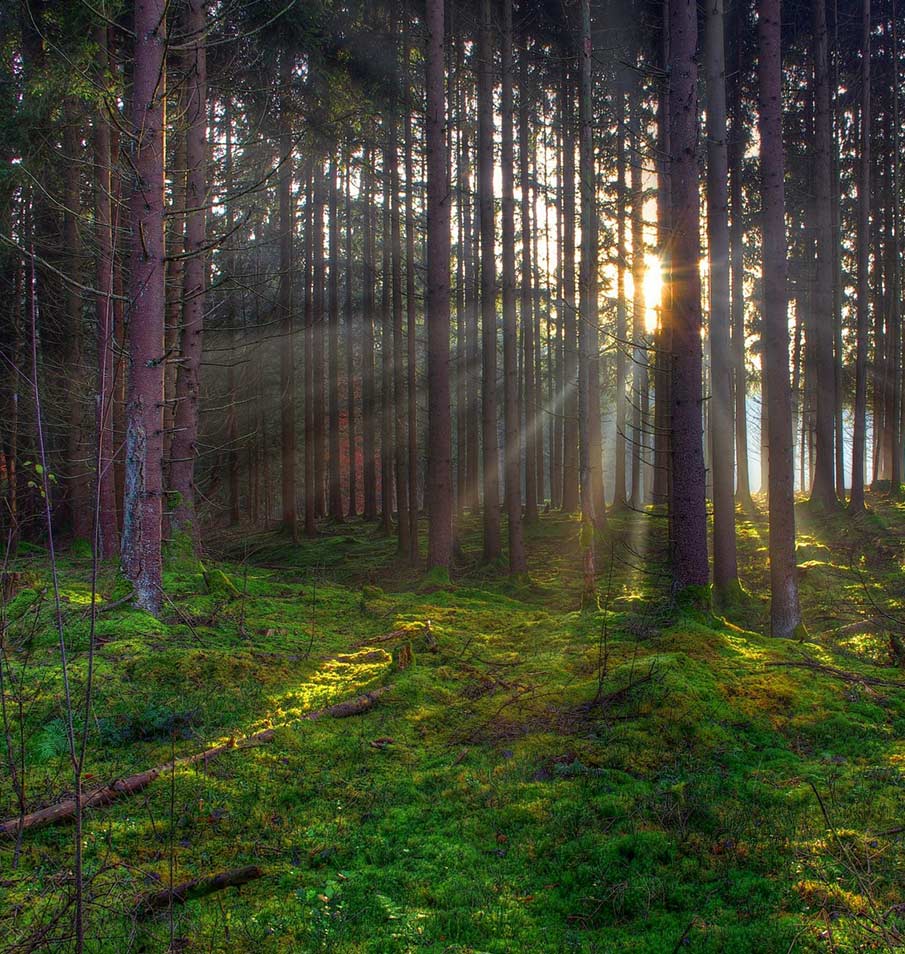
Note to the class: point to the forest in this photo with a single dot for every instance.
(451, 476)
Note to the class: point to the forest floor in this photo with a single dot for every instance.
(633, 777)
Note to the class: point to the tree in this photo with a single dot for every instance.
(725, 564)
(142, 521)
(823, 492)
(859, 438)
(287, 355)
(185, 437)
(688, 510)
(106, 532)
(439, 479)
(491, 451)
(785, 614)
(511, 451)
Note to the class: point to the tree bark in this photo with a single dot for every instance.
(185, 436)
(142, 521)
(439, 475)
(570, 338)
(106, 532)
(368, 392)
(533, 425)
(823, 492)
(689, 514)
(334, 496)
(488, 288)
(619, 494)
(785, 614)
(588, 391)
(287, 356)
(511, 454)
(725, 563)
(859, 438)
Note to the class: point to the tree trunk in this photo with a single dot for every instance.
(351, 337)
(319, 423)
(106, 531)
(386, 360)
(439, 476)
(619, 494)
(588, 393)
(725, 565)
(689, 514)
(400, 418)
(859, 438)
(185, 436)
(310, 438)
(334, 496)
(142, 521)
(570, 338)
(368, 392)
(737, 144)
(785, 614)
(511, 455)
(488, 288)
(824, 490)
(410, 310)
(639, 305)
(533, 426)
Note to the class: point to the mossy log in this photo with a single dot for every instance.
(351, 707)
(66, 809)
(197, 888)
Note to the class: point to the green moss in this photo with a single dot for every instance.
(532, 766)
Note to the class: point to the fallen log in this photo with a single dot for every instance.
(197, 888)
(854, 678)
(351, 707)
(67, 808)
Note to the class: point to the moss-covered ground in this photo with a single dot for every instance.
(631, 777)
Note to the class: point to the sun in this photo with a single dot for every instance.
(653, 288)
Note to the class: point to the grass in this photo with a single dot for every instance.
(637, 777)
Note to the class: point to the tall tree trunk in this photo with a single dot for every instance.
(106, 531)
(511, 455)
(232, 415)
(386, 358)
(185, 437)
(570, 336)
(662, 490)
(824, 490)
(142, 521)
(533, 425)
(174, 236)
(619, 494)
(319, 422)
(488, 288)
(351, 337)
(400, 419)
(77, 478)
(639, 305)
(334, 496)
(287, 351)
(410, 309)
(439, 477)
(785, 614)
(588, 394)
(725, 564)
(895, 253)
(859, 438)
(689, 514)
(737, 144)
(462, 213)
(310, 429)
(368, 391)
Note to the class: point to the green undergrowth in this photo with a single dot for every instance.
(638, 775)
